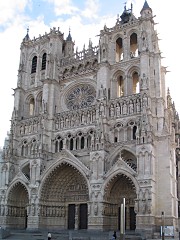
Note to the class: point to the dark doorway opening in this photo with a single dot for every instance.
(83, 216)
(26, 218)
(132, 219)
(71, 216)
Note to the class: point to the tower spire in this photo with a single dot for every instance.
(69, 38)
(26, 38)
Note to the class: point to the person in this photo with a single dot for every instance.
(114, 235)
(49, 236)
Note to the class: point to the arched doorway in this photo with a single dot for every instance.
(16, 209)
(64, 198)
(119, 187)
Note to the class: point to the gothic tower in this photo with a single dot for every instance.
(90, 128)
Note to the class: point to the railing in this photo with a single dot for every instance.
(88, 54)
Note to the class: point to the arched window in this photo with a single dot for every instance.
(71, 144)
(119, 49)
(120, 86)
(82, 143)
(58, 144)
(135, 79)
(31, 107)
(133, 45)
(43, 67)
(34, 64)
(134, 132)
(24, 149)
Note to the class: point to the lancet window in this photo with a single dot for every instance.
(135, 79)
(34, 64)
(133, 45)
(119, 49)
(43, 67)
(120, 86)
(31, 107)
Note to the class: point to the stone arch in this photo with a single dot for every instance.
(30, 105)
(118, 185)
(119, 47)
(119, 131)
(131, 130)
(117, 84)
(43, 57)
(58, 143)
(24, 147)
(118, 152)
(134, 80)
(17, 205)
(31, 59)
(133, 38)
(63, 185)
(39, 103)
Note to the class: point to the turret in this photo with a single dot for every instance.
(68, 46)
(146, 10)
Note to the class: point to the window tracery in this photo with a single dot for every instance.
(82, 96)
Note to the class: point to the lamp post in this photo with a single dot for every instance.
(122, 224)
(162, 220)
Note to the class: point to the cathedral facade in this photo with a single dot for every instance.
(89, 129)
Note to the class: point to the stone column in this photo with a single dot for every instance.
(76, 216)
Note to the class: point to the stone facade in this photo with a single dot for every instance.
(90, 128)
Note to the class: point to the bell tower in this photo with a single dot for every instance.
(131, 74)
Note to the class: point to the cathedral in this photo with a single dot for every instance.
(90, 128)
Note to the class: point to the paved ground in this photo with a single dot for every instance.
(70, 235)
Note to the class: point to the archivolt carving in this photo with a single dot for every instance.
(65, 183)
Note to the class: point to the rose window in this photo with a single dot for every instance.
(81, 97)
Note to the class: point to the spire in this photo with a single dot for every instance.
(26, 38)
(69, 38)
(146, 7)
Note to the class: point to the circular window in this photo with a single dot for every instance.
(80, 97)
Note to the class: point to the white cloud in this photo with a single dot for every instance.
(63, 7)
(10, 9)
(10, 40)
(91, 9)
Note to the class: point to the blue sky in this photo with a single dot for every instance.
(85, 18)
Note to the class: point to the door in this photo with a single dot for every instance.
(26, 218)
(71, 216)
(132, 219)
(83, 216)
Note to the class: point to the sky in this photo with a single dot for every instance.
(85, 19)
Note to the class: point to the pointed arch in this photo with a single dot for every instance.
(44, 59)
(118, 84)
(119, 49)
(34, 64)
(133, 45)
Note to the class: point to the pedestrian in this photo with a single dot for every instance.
(114, 236)
(49, 236)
